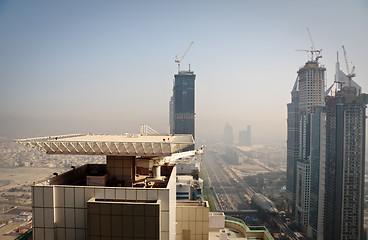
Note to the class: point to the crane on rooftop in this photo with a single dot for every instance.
(313, 50)
(350, 74)
(181, 59)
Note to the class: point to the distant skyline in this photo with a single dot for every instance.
(106, 67)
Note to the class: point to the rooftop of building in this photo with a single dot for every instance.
(192, 203)
(184, 178)
(226, 227)
(312, 64)
(97, 175)
(117, 145)
(132, 160)
(185, 73)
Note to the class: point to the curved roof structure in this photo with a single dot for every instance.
(117, 145)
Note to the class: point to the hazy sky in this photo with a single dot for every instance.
(107, 66)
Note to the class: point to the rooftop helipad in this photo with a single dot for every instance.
(119, 145)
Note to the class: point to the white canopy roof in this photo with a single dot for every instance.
(121, 145)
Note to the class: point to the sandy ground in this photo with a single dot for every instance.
(10, 177)
(8, 228)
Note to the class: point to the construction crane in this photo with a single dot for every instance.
(350, 74)
(181, 59)
(313, 50)
(317, 52)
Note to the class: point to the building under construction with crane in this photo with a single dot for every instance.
(325, 152)
(182, 103)
(310, 90)
(345, 158)
(307, 96)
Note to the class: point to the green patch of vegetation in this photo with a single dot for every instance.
(203, 174)
(280, 202)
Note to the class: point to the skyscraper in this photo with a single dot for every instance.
(228, 137)
(292, 144)
(242, 137)
(345, 164)
(248, 136)
(184, 104)
(337, 148)
(307, 95)
(317, 173)
(245, 137)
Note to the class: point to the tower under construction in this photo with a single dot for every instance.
(345, 163)
(184, 104)
(307, 97)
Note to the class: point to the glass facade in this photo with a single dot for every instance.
(292, 145)
(184, 104)
(345, 165)
(317, 160)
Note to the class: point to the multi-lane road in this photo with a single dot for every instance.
(224, 184)
(229, 190)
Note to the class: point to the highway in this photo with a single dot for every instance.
(229, 190)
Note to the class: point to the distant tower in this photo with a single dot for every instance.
(242, 137)
(245, 137)
(248, 137)
(183, 101)
(228, 134)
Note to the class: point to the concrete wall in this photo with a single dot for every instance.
(171, 206)
(60, 211)
(192, 221)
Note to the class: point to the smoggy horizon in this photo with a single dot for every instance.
(91, 66)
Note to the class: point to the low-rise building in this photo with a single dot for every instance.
(188, 188)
